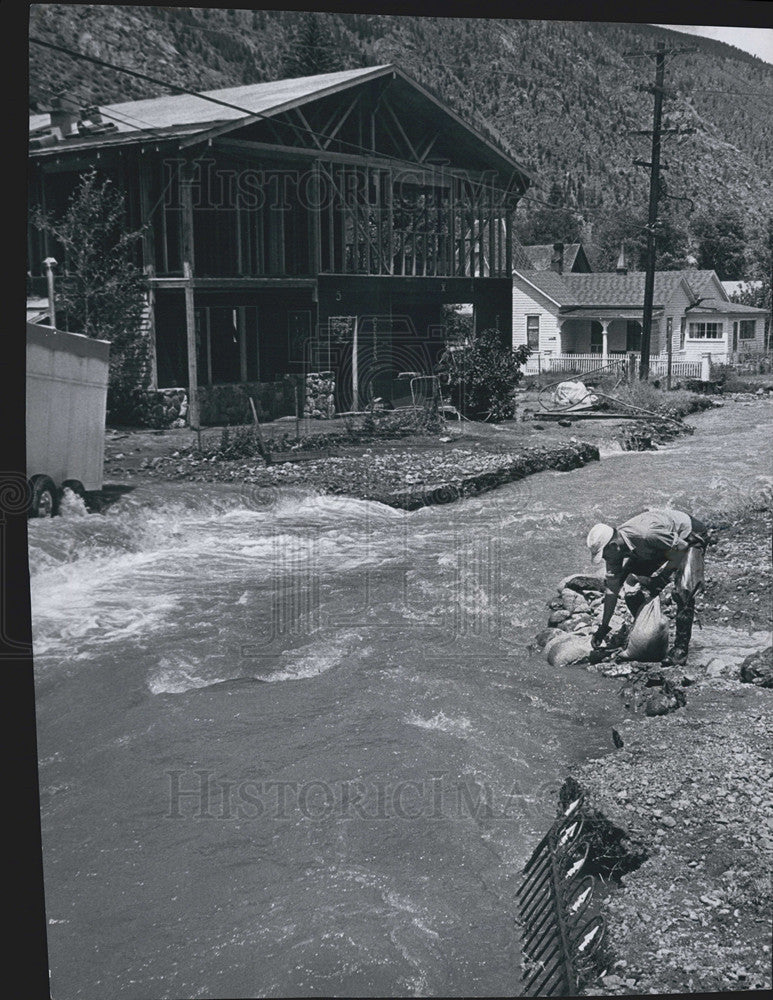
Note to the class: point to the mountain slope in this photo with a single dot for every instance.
(563, 95)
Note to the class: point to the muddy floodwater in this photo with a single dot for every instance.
(296, 745)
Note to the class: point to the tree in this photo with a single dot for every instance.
(548, 224)
(482, 374)
(720, 243)
(630, 229)
(313, 48)
(100, 290)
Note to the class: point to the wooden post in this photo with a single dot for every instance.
(670, 351)
(355, 366)
(190, 316)
(390, 221)
(242, 332)
(152, 330)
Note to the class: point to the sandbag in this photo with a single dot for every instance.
(648, 641)
(572, 649)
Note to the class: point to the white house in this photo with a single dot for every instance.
(600, 314)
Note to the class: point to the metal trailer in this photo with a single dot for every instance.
(66, 404)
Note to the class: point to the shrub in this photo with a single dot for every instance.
(482, 374)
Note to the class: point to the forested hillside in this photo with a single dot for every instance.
(563, 95)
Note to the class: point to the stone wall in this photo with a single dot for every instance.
(320, 395)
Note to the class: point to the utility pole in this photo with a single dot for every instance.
(652, 215)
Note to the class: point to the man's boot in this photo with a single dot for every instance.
(685, 613)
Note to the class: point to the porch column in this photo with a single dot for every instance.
(604, 338)
(561, 336)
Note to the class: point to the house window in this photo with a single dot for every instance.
(669, 333)
(747, 329)
(532, 332)
(682, 329)
(705, 331)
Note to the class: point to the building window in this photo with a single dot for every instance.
(747, 329)
(532, 332)
(669, 333)
(705, 331)
(682, 329)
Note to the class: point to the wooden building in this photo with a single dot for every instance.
(290, 219)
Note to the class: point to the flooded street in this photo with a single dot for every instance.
(296, 745)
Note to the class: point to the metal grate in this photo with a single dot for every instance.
(553, 899)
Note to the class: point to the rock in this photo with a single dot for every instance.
(574, 601)
(543, 638)
(758, 668)
(663, 700)
(582, 582)
(557, 617)
(568, 423)
(718, 665)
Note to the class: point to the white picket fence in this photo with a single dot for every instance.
(582, 364)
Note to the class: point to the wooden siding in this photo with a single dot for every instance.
(527, 301)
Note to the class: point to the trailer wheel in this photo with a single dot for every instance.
(43, 497)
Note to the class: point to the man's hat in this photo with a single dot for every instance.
(598, 536)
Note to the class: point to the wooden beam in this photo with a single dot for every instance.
(401, 130)
(390, 221)
(242, 332)
(187, 250)
(208, 341)
(308, 128)
(423, 156)
(434, 175)
(341, 122)
(214, 284)
(315, 223)
(152, 337)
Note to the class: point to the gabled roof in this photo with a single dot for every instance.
(190, 115)
(603, 288)
(174, 110)
(550, 283)
(703, 282)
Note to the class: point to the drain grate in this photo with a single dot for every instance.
(553, 901)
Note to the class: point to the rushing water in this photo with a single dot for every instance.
(296, 745)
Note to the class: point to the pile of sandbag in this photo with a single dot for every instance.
(575, 614)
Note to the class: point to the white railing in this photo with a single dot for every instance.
(584, 363)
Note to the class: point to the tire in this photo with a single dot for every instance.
(43, 497)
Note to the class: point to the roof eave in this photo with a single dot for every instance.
(297, 102)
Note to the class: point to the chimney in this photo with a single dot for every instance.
(622, 267)
(64, 116)
(557, 261)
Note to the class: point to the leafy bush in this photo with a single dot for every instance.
(482, 374)
(100, 289)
